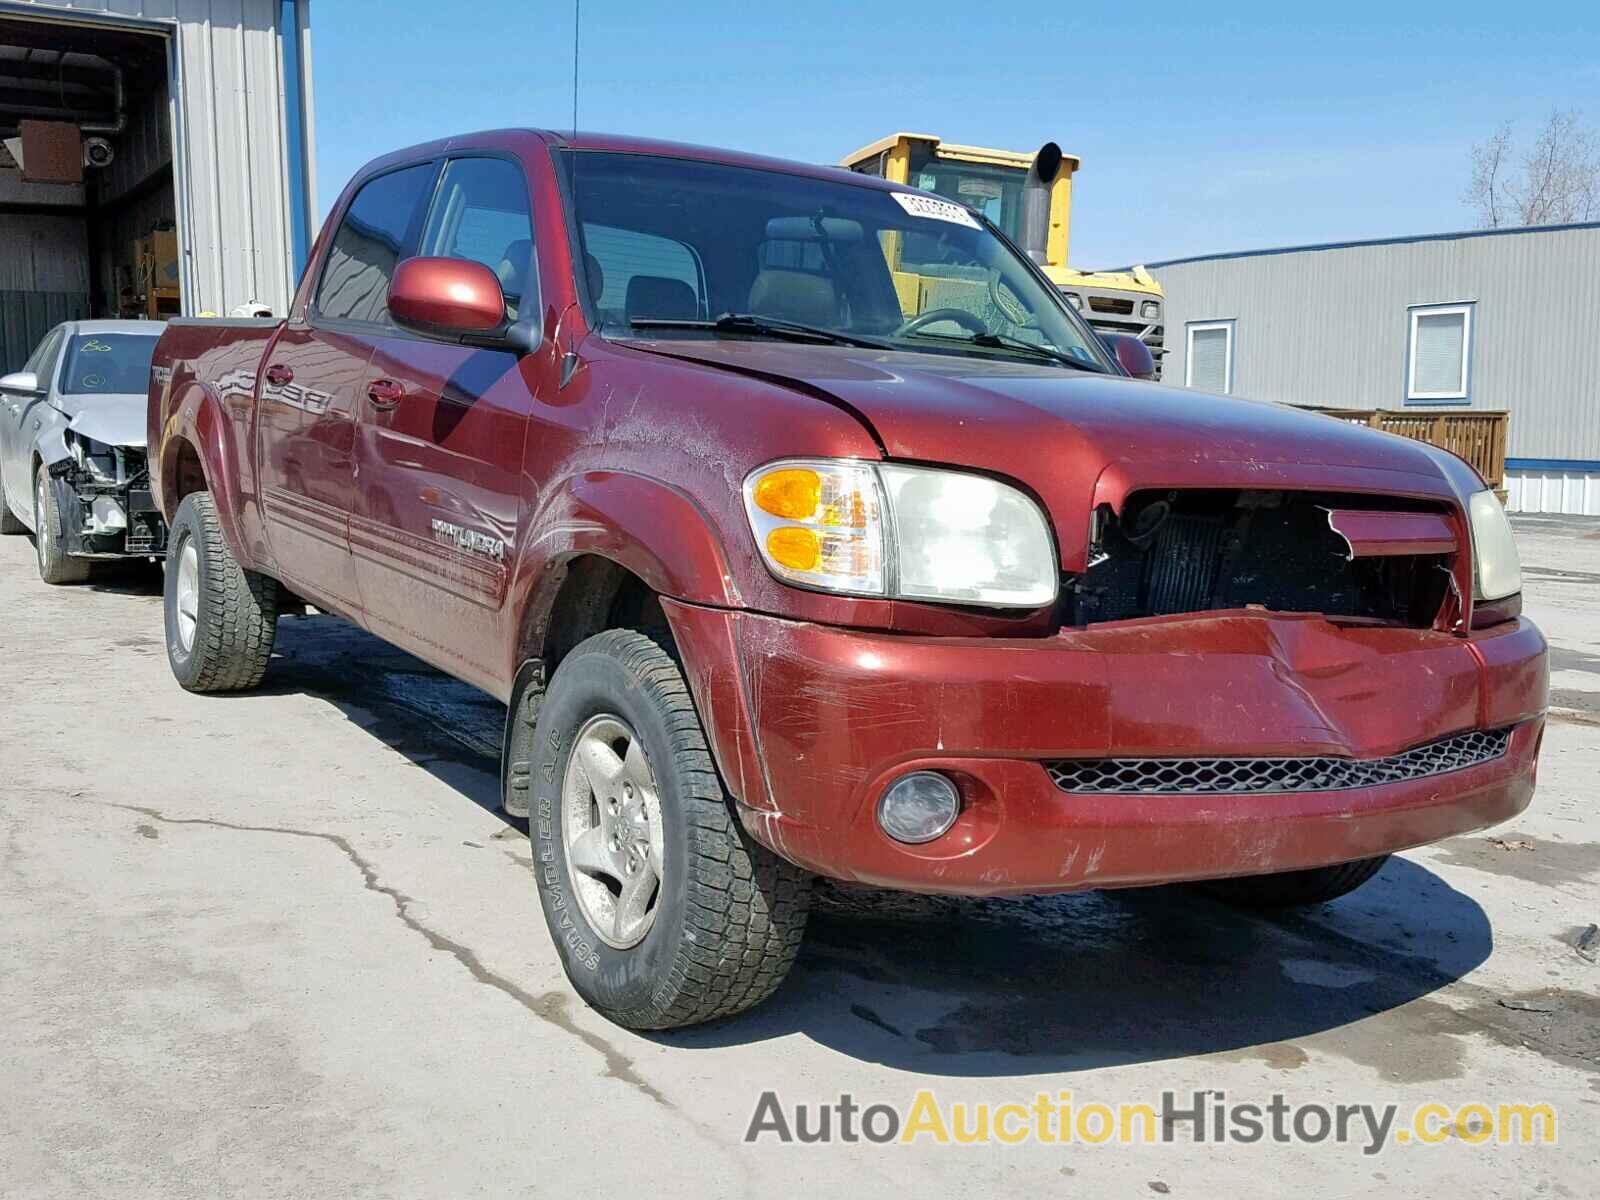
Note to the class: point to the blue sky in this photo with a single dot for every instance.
(1202, 127)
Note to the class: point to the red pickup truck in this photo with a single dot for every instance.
(806, 531)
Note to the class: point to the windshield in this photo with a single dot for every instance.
(672, 245)
(107, 362)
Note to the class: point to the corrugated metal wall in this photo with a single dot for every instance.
(234, 206)
(44, 280)
(1329, 327)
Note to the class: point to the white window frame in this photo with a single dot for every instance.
(1189, 330)
(1415, 313)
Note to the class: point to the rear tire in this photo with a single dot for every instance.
(221, 619)
(1292, 889)
(718, 921)
(56, 566)
(9, 523)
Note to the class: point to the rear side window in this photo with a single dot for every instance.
(370, 242)
(618, 257)
(480, 213)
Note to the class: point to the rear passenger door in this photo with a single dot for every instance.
(312, 387)
(439, 443)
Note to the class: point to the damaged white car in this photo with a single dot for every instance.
(72, 448)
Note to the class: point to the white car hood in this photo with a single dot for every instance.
(112, 420)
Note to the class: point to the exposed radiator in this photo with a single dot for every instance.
(1183, 567)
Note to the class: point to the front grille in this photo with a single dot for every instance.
(1225, 776)
(1107, 304)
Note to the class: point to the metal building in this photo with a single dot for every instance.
(1494, 319)
(155, 158)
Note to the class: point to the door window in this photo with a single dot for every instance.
(43, 362)
(480, 213)
(370, 242)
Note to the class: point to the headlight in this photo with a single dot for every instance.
(1074, 299)
(1150, 310)
(909, 532)
(1496, 569)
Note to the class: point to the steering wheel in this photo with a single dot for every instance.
(968, 321)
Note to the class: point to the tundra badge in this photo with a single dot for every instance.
(471, 539)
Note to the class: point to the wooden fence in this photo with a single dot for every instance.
(1477, 436)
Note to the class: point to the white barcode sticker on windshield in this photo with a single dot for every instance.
(935, 209)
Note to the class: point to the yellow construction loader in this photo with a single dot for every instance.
(1029, 196)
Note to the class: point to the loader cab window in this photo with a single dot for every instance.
(369, 244)
(480, 214)
(994, 191)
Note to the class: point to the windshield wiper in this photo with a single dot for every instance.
(752, 323)
(999, 341)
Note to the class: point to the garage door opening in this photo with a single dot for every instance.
(88, 207)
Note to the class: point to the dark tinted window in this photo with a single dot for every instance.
(368, 245)
(481, 214)
(107, 362)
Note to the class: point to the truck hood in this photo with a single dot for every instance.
(112, 420)
(1079, 440)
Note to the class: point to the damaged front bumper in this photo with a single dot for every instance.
(107, 510)
(1356, 725)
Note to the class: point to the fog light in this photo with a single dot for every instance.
(107, 516)
(919, 807)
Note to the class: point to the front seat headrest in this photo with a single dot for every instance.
(595, 274)
(513, 271)
(795, 296)
(660, 297)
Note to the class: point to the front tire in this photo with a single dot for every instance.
(664, 912)
(221, 619)
(1294, 889)
(56, 566)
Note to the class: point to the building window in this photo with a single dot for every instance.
(1439, 354)
(1209, 356)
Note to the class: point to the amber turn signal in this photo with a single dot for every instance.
(792, 493)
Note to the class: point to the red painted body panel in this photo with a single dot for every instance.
(814, 722)
(435, 492)
(1376, 534)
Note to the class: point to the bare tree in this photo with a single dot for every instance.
(1555, 182)
(1486, 191)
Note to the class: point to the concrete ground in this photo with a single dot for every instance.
(283, 945)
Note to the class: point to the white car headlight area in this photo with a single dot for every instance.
(915, 533)
(1496, 566)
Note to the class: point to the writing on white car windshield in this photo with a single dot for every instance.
(107, 363)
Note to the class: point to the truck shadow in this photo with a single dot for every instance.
(1001, 987)
(998, 987)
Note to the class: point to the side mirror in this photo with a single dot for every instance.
(1131, 354)
(20, 381)
(447, 296)
(456, 299)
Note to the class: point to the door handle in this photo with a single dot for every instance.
(385, 393)
(279, 375)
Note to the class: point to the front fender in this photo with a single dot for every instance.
(655, 530)
(648, 527)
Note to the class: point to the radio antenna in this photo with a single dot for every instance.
(577, 17)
